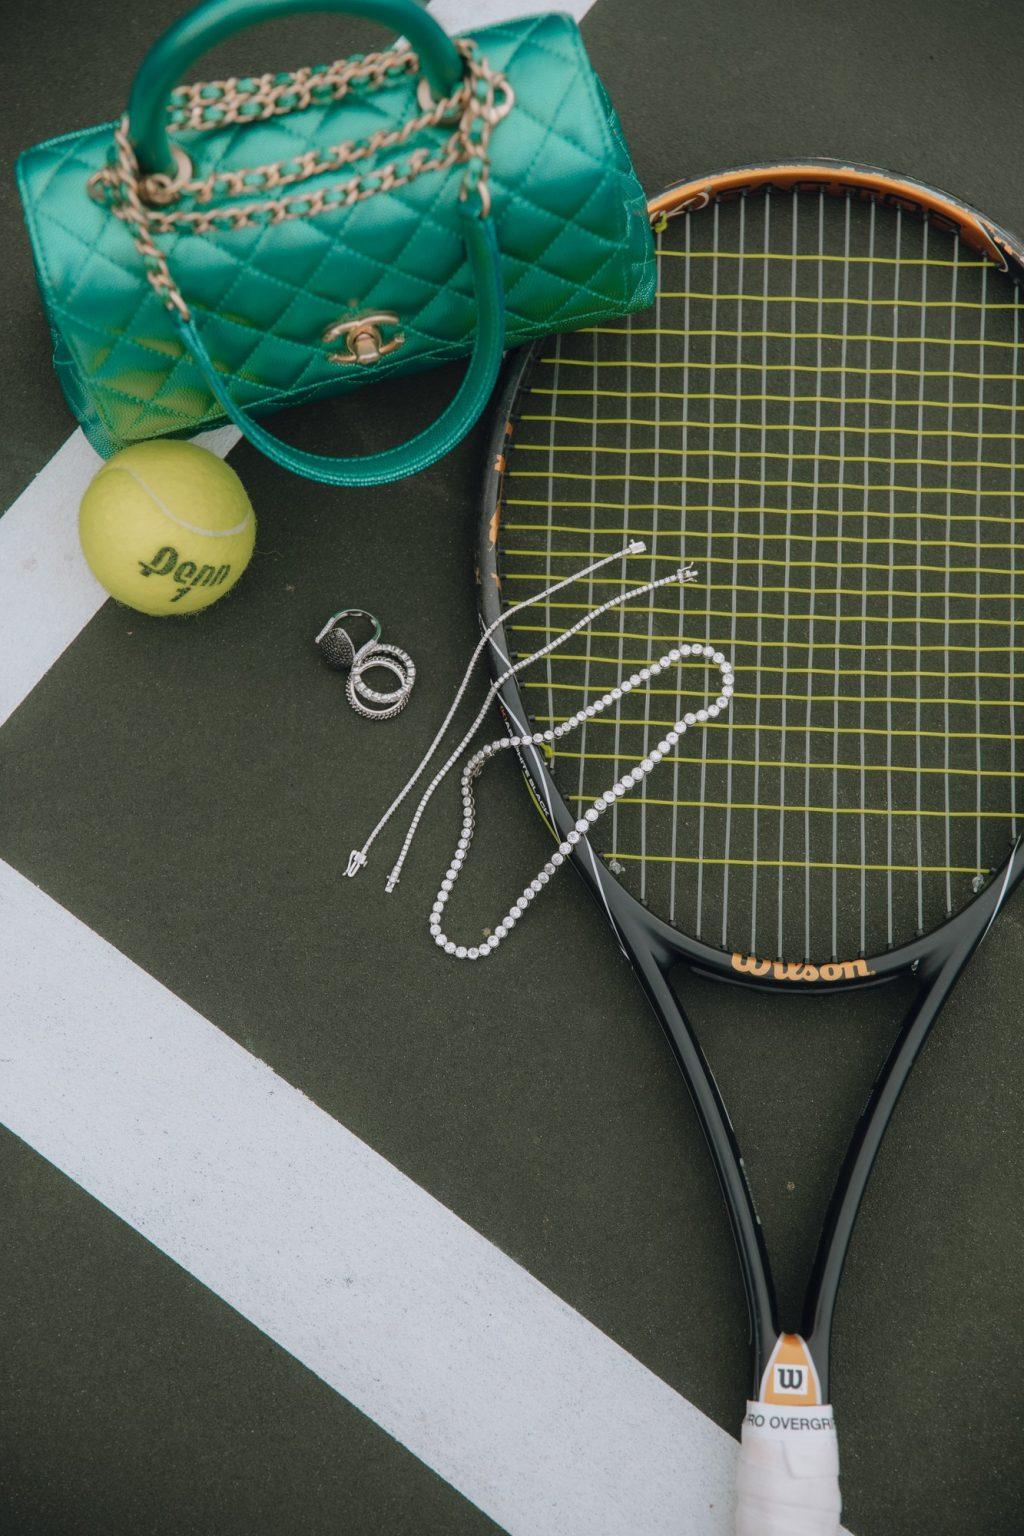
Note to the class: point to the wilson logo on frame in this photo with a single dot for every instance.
(786, 970)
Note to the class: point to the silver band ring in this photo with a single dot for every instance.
(373, 703)
(386, 665)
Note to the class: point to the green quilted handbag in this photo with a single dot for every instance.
(233, 247)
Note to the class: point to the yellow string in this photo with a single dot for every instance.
(676, 510)
(819, 256)
(895, 869)
(641, 661)
(823, 810)
(817, 486)
(762, 455)
(792, 618)
(799, 730)
(731, 536)
(763, 762)
(761, 368)
(817, 565)
(712, 394)
(662, 424)
(844, 336)
(792, 698)
(816, 299)
(800, 645)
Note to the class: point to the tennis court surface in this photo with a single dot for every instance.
(308, 1229)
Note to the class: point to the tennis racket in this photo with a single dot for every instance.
(821, 413)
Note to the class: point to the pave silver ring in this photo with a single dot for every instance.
(377, 660)
(335, 644)
(375, 703)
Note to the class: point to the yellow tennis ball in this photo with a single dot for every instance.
(166, 527)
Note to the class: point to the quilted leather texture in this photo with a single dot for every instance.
(570, 216)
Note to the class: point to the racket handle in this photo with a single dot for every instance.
(788, 1481)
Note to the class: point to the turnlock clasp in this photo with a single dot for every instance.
(364, 340)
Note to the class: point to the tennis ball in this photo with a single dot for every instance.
(166, 527)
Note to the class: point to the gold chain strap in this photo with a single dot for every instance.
(481, 101)
(212, 104)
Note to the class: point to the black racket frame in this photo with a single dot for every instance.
(654, 948)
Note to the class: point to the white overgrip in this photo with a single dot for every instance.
(788, 1480)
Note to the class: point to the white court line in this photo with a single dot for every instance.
(463, 15)
(489, 1378)
(47, 592)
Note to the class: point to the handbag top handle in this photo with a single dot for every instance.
(179, 47)
(145, 150)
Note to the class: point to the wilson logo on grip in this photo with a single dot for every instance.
(790, 1377)
(789, 970)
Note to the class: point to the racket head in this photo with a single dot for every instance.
(823, 414)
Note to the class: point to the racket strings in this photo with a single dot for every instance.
(824, 406)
